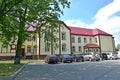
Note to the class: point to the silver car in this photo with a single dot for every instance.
(91, 56)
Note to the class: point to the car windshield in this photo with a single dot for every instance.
(66, 55)
(108, 53)
(79, 55)
(53, 56)
(115, 53)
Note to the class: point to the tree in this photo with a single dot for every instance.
(118, 47)
(15, 14)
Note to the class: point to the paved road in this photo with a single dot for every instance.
(103, 70)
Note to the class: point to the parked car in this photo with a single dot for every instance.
(51, 59)
(78, 58)
(118, 54)
(112, 55)
(91, 56)
(65, 58)
(103, 56)
(115, 55)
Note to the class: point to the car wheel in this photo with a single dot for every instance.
(83, 60)
(63, 61)
(111, 58)
(45, 61)
(56, 62)
(75, 60)
(48, 62)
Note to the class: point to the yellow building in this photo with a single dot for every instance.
(71, 40)
(91, 40)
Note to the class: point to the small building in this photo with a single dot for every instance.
(91, 40)
(70, 40)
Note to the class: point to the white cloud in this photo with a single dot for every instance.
(104, 13)
(104, 20)
(76, 23)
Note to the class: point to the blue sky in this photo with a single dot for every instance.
(102, 14)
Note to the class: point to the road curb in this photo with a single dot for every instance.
(17, 72)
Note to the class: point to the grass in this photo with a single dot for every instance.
(7, 68)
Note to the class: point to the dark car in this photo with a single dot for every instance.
(65, 58)
(78, 58)
(104, 56)
(51, 59)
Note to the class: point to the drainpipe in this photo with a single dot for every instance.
(59, 40)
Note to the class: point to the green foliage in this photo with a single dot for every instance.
(117, 48)
(14, 14)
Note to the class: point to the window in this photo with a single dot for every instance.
(35, 49)
(73, 40)
(97, 50)
(35, 37)
(63, 47)
(79, 39)
(80, 49)
(90, 40)
(13, 47)
(47, 47)
(47, 36)
(90, 50)
(86, 50)
(29, 49)
(4, 48)
(96, 40)
(94, 50)
(63, 36)
(62, 27)
(73, 49)
(29, 38)
(85, 40)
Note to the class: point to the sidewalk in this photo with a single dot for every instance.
(5, 78)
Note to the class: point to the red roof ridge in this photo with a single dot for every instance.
(98, 31)
(87, 31)
(79, 27)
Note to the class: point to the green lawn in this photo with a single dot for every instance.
(7, 68)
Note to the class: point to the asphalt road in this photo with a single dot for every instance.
(101, 70)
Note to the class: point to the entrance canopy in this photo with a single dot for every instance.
(91, 46)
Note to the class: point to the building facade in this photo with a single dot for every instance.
(71, 40)
(91, 40)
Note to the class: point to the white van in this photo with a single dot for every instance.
(118, 53)
(112, 55)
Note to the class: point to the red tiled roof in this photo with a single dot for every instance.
(98, 31)
(31, 29)
(91, 45)
(85, 31)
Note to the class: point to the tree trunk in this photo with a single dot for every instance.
(18, 51)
